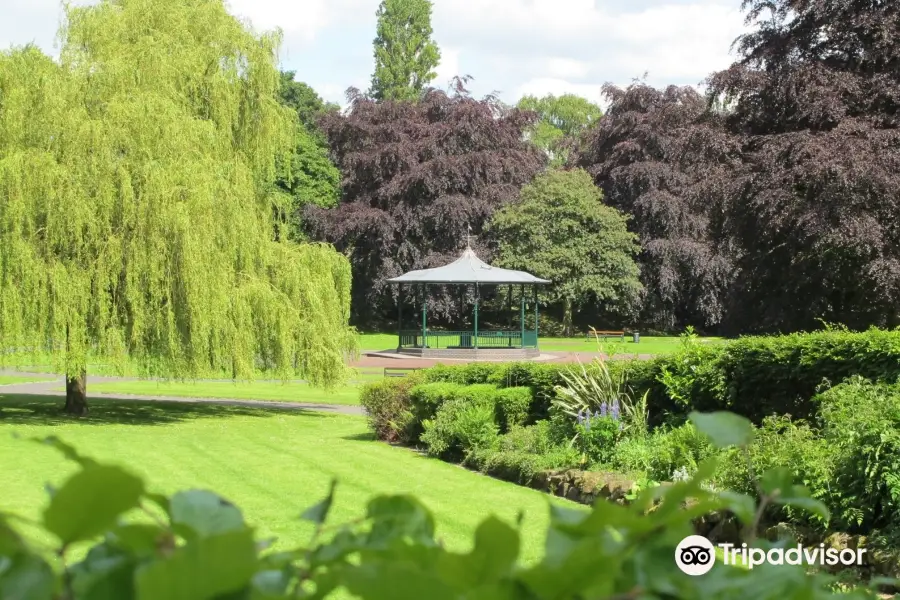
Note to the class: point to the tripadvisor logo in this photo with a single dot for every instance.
(696, 555)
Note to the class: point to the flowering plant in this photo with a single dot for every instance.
(598, 432)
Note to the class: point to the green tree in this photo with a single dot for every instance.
(136, 195)
(302, 98)
(561, 230)
(405, 54)
(311, 177)
(561, 120)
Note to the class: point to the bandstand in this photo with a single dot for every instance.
(468, 272)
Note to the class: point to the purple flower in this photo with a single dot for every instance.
(614, 411)
(603, 409)
(580, 416)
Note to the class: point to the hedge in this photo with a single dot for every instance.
(398, 407)
(752, 376)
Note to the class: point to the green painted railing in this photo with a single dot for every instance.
(467, 339)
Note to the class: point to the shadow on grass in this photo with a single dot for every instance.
(367, 436)
(16, 409)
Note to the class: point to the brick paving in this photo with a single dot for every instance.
(370, 361)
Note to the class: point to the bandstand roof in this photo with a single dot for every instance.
(468, 268)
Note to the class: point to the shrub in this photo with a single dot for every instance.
(390, 409)
(755, 376)
(666, 454)
(462, 424)
(761, 376)
(521, 454)
(536, 439)
(541, 378)
(781, 442)
(427, 398)
(596, 437)
(467, 374)
(861, 426)
(513, 407)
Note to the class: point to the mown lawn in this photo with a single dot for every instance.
(257, 390)
(14, 379)
(272, 463)
(647, 345)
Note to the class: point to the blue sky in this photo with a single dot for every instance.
(513, 47)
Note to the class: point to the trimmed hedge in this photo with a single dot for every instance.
(389, 408)
(754, 376)
(780, 375)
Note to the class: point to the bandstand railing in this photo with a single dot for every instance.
(466, 339)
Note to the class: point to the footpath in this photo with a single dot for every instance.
(51, 387)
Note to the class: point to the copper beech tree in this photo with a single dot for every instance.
(662, 157)
(136, 192)
(416, 175)
(816, 106)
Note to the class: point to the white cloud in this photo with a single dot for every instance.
(448, 67)
(541, 86)
(564, 67)
(511, 46)
(301, 21)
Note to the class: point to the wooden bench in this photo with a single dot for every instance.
(597, 334)
(398, 372)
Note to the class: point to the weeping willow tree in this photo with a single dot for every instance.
(137, 203)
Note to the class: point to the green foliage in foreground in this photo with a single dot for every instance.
(195, 545)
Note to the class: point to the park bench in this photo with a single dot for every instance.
(398, 372)
(595, 333)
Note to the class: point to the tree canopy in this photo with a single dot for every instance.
(663, 158)
(136, 194)
(817, 109)
(416, 176)
(311, 177)
(561, 230)
(405, 54)
(305, 101)
(561, 121)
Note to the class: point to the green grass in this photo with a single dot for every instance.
(272, 463)
(258, 390)
(13, 379)
(648, 345)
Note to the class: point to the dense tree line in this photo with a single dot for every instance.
(416, 177)
(768, 204)
(815, 220)
(662, 157)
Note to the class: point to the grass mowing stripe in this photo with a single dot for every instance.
(14, 379)
(272, 462)
(269, 391)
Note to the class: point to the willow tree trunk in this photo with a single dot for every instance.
(567, 317)
(76, 395)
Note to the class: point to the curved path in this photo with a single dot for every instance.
(50, 387)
